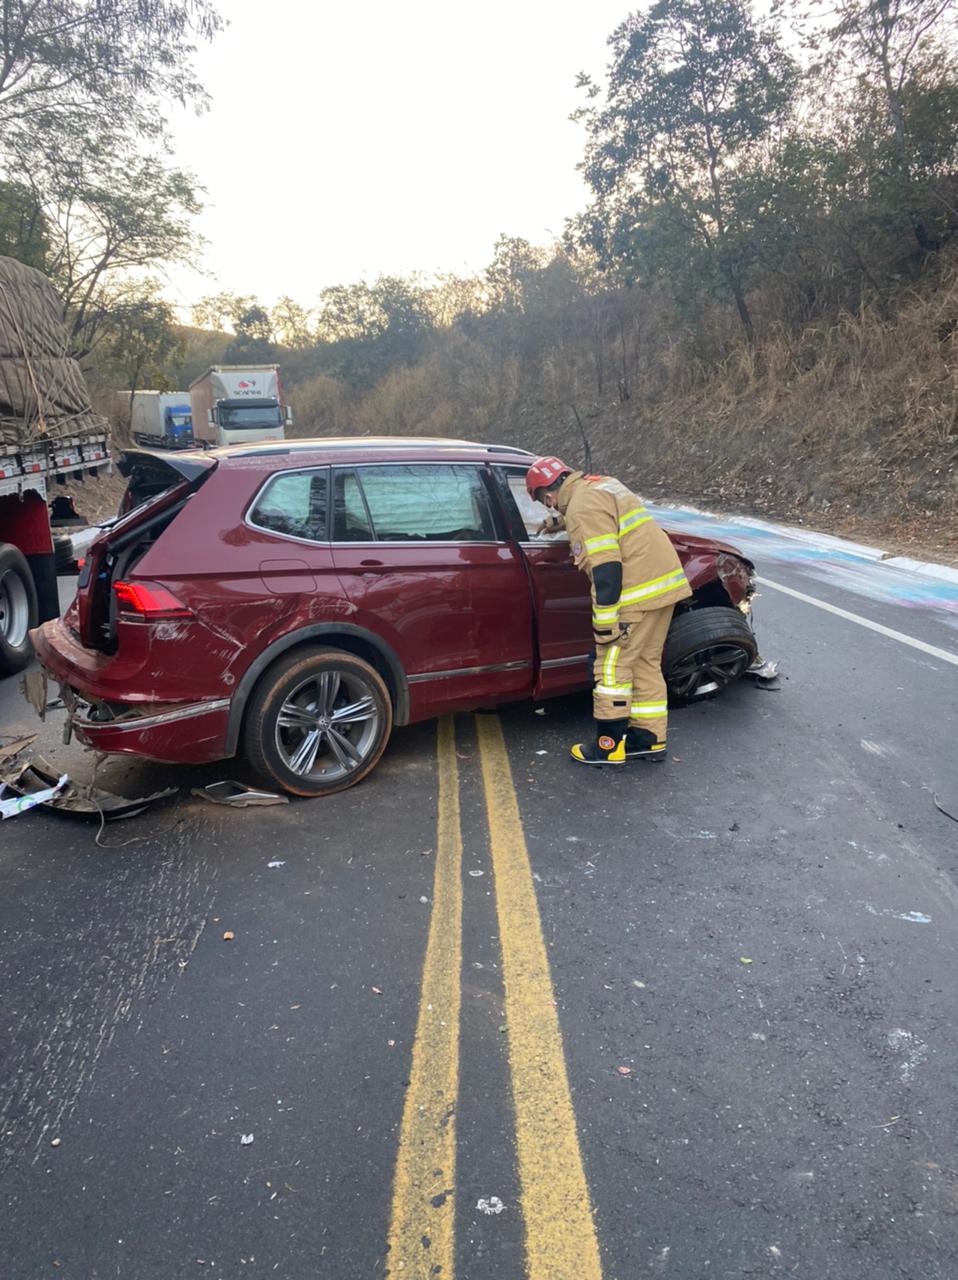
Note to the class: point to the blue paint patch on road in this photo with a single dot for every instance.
(823, 558)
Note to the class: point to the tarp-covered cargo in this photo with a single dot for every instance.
(42, 392)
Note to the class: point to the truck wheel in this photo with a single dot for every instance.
(317, 722)
(705, 651)
(63, 551)
(18, 610)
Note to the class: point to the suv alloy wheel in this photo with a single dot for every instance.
(317, 722)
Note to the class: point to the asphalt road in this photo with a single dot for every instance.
(492, 1015)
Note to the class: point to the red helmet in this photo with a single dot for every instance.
(543, 472)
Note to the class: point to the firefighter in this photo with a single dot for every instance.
(637, 580)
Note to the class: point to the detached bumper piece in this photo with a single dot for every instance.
(77, 799)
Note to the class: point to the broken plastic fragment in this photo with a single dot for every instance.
(763, 669)
(228, 935)
(21, 803)
(246, 1139)
(78, 799)
(237, 795)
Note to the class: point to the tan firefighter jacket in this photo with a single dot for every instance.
(607, 522)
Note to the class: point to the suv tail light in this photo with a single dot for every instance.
(149, 601)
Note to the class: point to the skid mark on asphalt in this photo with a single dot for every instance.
(421, 1234)
(561, 1241)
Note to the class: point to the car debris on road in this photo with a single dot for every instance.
(21, 803)
(34, 782)
(237, 795)
(763, 670)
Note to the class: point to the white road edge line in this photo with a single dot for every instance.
(931, 649)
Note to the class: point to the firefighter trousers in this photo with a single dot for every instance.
(628, 675)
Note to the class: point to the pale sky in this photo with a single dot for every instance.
(350, 140)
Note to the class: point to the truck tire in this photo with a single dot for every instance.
(706, 650)
(18, 610)
(63, 552)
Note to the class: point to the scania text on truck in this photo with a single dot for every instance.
(162, 419)
(237, 404)
(48, 431)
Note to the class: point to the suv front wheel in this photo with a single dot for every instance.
(705, 651)
(317, 722)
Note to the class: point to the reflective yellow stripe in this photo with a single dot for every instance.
(650, 710)
(656, 587)
(614, 691)
(608, 666)
(632, 519)
(602, 614)
(606, 541)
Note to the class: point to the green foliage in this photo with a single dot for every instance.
(24, 230)
(696, 89)
(369, 328)
(140, 339)
(107, 216)
(85, 64)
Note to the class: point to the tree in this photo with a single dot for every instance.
(902, 54)
(222, 310)
(292, 324)
(515, 262)
(24, 230)
(251, 322)
(141, 338)
(695, 89)
(108, 214)
(373, 327)
(92, 62)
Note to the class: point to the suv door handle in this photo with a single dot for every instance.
(371, 564)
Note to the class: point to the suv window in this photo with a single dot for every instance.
(350, 517)
(422, 502)
(531, 513)
(293, 503)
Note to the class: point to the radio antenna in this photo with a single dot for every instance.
(585, 440)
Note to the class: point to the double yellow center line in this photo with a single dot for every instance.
(560, 1233)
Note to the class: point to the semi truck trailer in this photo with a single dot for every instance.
(236, 404)
(49, 436)
(162, 420)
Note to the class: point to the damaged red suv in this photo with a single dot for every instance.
(292, 602)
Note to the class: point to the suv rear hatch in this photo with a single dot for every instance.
(158, 490)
